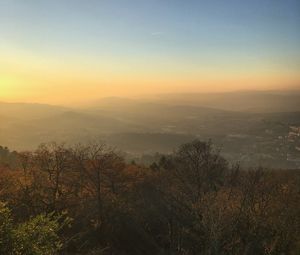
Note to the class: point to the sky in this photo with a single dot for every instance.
(63, 51)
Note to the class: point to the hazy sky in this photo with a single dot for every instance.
(72, 50)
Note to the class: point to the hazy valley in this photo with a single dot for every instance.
(254, 128)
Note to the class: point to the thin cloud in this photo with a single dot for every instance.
(157, 33)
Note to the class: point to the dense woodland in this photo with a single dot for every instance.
(86, 199)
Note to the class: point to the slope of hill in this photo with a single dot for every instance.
(25, 111)
(140, 126)
(251, 101)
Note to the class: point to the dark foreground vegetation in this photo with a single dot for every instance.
(86, 200)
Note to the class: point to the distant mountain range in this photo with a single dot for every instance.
(157, 123)
(251, 101)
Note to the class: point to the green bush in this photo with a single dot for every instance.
(37, 236)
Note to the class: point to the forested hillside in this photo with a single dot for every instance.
(86, 199)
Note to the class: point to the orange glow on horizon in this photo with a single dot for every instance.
(29, 78)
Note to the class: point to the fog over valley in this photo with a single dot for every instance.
(251, 127)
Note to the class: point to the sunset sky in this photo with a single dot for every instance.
(63, 51)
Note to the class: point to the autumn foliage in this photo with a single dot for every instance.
(190, 202)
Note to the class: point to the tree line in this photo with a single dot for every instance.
(85, 199)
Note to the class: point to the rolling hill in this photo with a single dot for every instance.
(143, 126)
